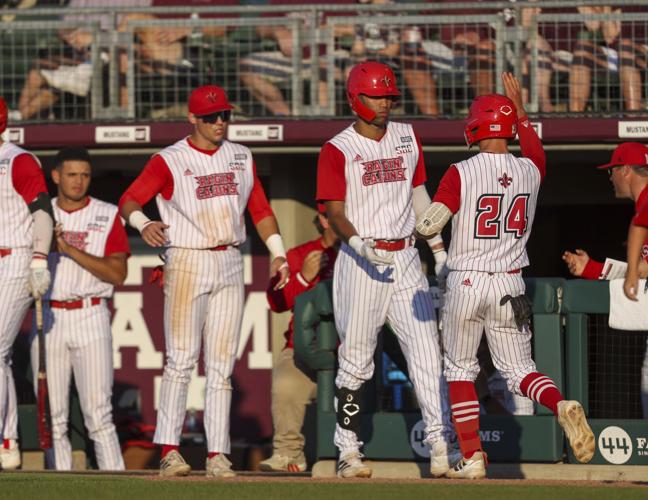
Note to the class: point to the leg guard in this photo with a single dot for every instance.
(348, 406)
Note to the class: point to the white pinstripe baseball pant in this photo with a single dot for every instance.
(14, 302)
(472, 306)
(203, 300)
(364, 298)
(78, 342)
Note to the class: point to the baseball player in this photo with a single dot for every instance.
(26, 225)
(371, 177)
(628, 171)
(203, 184)
(293, 385)
(491, 198)
(90, 258)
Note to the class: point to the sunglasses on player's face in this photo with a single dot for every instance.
(224, 115)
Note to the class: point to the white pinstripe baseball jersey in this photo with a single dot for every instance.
(210, 195)
(375, 202)
(499, 193)
(15, 220)
(86, 229)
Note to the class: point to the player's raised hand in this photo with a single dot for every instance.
(513, 90)
(576, 262)
(280, 272)
(153, 233)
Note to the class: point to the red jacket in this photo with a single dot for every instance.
(284, 299)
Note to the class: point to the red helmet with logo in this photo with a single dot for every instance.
(3, 115)
(490, 116)
(373, 79)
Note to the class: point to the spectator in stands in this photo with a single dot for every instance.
(264, 73)
(628, 172)
(68, 68)
(293, 385)
(602, 48)
(383, 43)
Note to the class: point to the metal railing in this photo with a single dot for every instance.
(293, 60)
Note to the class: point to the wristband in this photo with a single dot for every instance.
(356, 243)
(275, 246)
(138, 220)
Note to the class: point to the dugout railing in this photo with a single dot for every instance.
(130, 81)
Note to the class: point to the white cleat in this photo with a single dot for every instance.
(443, 457)
(469, 468)
(174, 465)
(219, 467)
(571, 418)
(282, 463)
(350, 465)
(10, 457)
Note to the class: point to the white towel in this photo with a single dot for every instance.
(626, 314)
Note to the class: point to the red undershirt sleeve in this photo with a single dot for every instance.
(117, 241)
(155, 178)
(531, 145)
(27, 177)
(420, 175)
(449, 190)
(331, 179)
(258, 205)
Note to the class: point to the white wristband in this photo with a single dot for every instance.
(275, 246)
(356, 243)
(138, 220)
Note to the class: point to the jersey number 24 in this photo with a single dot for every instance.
(489, 220)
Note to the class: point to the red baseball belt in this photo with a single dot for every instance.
(74, 304)
(220, 248)
(514, 271)
(394, 245)
(4, 252)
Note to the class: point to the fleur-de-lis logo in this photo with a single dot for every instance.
(505, 180)
(212, 97)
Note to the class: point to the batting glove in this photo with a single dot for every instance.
(365, 249)
(39, 277)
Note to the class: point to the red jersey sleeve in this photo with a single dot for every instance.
(531, 145)
(641, 215)
(117, 241)
(155, 178)
(331, 180)
(419, 174)
(449, 190)
(284, 299)
(27, 177)
(258, 205)
(593, 270)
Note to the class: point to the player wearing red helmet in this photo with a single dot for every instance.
(3, 115)
(491, 198)
(372, 178)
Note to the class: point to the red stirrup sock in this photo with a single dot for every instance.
(212, 454)
(465, 415)
(541, 389)
(166, 448)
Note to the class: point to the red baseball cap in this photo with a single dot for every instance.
(628, 153)
(208, 99)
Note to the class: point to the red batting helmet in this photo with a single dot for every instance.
(3, 115)
(490, 116)
(373, 79)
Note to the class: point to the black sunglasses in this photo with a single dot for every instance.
(224, 115)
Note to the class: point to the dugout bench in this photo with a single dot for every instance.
(390, 435)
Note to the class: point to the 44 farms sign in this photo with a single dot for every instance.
(621, 442)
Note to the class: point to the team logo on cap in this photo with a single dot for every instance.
(386, 80)
(506, 110)
(212, 97)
